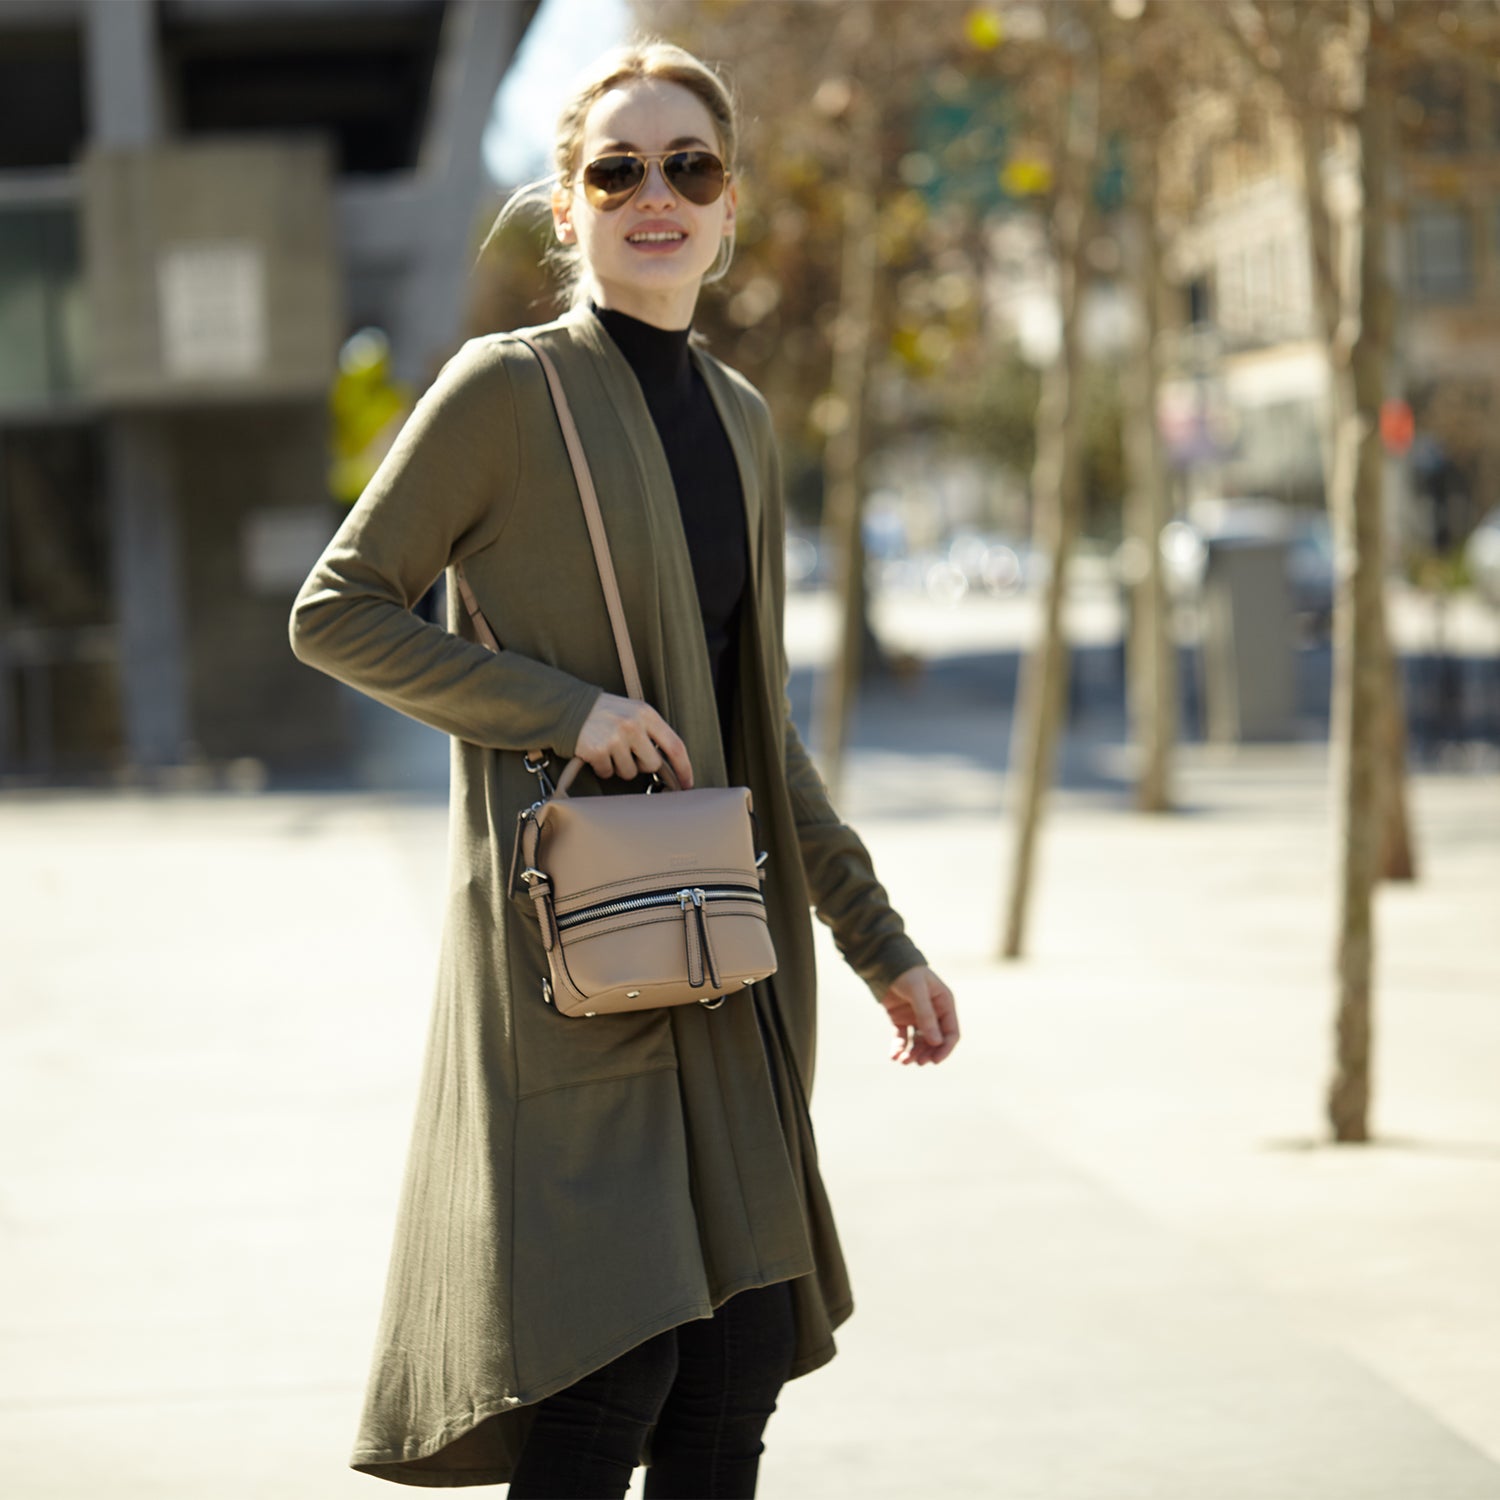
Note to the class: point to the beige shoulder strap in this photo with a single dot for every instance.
(597, 537)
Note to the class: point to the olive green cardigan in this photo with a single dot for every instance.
(576, 1186)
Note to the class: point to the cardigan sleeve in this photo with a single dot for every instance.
(841, 879)
(443, 492)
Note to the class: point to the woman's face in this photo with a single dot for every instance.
(657, 278)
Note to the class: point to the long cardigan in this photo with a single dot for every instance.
(575, 1186)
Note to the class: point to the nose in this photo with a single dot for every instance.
(655, 190)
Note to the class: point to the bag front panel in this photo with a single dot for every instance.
(590, 845)
(658, 951)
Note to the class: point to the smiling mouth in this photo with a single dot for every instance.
(655, 237)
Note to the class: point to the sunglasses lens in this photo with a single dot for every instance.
(610, 180)
(697, 175)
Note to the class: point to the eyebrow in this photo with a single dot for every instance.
(676, 144)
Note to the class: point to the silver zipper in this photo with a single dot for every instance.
(685, 897)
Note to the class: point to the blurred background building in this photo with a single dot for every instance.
(1248, 402)
(200, 201)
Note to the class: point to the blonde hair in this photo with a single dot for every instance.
(646, 58)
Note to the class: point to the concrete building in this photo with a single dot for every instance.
(1251, 373)
(199, 201)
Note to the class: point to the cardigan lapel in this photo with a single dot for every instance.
(671, 564)
(635, 416)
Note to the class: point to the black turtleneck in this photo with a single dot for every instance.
(706, 479)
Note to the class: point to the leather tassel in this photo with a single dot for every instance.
(710, 963)
(694, 945)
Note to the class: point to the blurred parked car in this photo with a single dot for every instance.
(976, 562)
(808, 558)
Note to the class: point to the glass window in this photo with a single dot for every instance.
(41, 94)
(1440, 249)
(1431, 108)
(41, 304)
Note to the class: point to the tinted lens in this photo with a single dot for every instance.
(697, 176)
(610, 180)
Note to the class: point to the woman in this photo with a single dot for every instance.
(613, 1242)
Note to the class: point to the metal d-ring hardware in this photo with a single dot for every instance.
(712, 1004)
(539, 770)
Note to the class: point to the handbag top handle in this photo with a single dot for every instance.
(602, 560)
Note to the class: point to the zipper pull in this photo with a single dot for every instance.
(690, 902)
(711, 964)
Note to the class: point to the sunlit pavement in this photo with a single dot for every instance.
(1096, 1255)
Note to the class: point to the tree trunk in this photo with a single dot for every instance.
(1151, 653)
(1398, 859)
(1330, 272)
(1361, 700)
(844, 454)
(1056, 477)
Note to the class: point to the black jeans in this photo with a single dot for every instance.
(709, 1387)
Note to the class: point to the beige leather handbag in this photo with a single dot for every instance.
(644, 900)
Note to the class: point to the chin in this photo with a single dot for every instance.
(660, 278)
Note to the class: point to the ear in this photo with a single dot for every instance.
(731, 204)
(562, 208)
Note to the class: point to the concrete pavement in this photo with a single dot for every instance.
(1098, 1255)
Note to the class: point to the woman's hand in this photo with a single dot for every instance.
(921, 1007)
(625, 737)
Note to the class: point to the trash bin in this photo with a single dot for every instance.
(1247, 643)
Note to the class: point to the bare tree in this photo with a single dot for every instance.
(1300, 48)
(1359, 377)
(1313, 103)
(1154, 67)
(1056, 475)
(857, 99)
(1332, 61)
(1151, 652)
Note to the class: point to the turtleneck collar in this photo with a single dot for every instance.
(658, 356)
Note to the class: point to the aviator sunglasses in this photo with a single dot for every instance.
(609, 182)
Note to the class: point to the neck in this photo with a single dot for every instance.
(658, 356)
(670, 308)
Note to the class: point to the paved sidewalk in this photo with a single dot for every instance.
(1096, 1255)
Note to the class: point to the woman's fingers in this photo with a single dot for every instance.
(946, 1012)
(625, 737)
(924, 1018)
(677, 756)
(658, 744)
(922, 1010)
